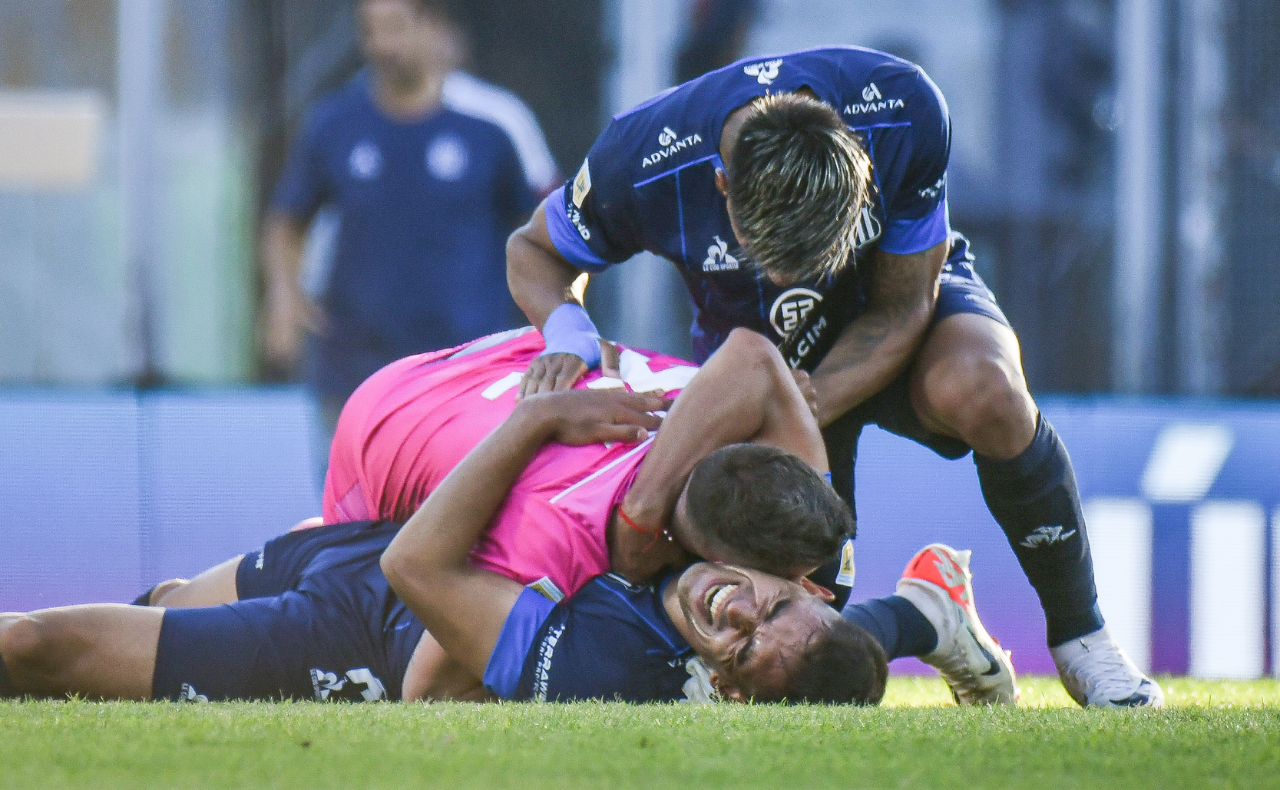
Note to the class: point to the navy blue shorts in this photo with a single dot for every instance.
(961, 291)
(316, 620)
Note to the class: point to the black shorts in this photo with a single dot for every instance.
(961, 291)
(316, 620)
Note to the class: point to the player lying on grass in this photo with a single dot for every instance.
(318, 619)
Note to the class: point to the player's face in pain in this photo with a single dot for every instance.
(749, 626)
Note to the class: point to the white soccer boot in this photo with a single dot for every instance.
(1097, 673)
(979, 672)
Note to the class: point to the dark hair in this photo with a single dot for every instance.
(768, 506)
(841, 665)
(797, 182)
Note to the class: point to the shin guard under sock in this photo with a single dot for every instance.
(1034, 499)
(896, 624)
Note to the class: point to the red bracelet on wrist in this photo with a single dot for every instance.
(656, 532)
(622, 514)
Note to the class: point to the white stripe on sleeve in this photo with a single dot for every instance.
(472, 96)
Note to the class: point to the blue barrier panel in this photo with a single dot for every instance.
(69, 493)
(107, 493)
(223, 472)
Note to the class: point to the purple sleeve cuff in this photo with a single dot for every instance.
(567, 239)
(909, 236)
(569, 330)
(506, 662)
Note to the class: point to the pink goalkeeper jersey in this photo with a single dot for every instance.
(410, 423)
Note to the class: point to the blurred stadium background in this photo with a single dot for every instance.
(1115, 162)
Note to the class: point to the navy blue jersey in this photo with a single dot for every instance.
(649, 183)
(611, 640)
(424, 209)
(317, 620)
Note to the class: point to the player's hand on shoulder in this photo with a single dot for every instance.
(552, 373)
(579, 417)
(560, 371)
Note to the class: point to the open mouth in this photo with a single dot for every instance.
(716, 598)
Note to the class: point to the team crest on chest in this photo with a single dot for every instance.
(365, 162)
(447, 158)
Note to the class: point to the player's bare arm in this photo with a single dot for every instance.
(287, 312)
(428, 563)
(877, 346)
(541, 280)
(745, 393)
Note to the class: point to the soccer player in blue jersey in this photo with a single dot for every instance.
(426, 170)
(804, 196)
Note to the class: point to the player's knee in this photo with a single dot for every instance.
(975, 396)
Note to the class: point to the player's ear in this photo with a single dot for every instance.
(816, 589)
(722, 182)
(726, 689)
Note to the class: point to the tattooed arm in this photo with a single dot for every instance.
(877, 346)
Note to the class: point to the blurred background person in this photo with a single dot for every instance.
(716, 35)
(423, 170)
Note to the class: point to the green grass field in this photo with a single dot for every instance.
(1214, 734)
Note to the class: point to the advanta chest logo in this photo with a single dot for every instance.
(790, 309)
(765, 72)
(873, 101)
(670, 146)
